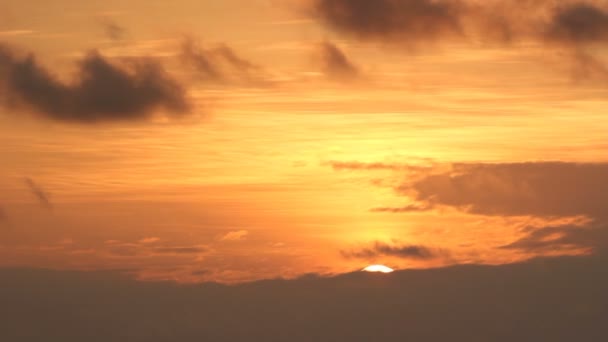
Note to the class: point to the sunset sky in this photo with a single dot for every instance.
(242, 140)
(303, 170)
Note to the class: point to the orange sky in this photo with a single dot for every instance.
(297, 134)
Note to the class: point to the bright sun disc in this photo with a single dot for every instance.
(378, 269)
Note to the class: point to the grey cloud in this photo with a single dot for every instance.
(101, 91)
(541, 189)
(538, 189)
(380, 249)
(394, 20)
(567, 237)
(408, 22)
(578, 23)
(335, 64)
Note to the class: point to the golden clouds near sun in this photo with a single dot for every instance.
(378, 269)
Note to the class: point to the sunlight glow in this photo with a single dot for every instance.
(378, 269)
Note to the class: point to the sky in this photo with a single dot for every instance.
(224, 170)
(237, 141)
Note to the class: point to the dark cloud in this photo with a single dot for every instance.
(381, 249)
(41, 195)
(101, 91)
(567, 237)
(543, 189)
(220, 65)
(578, 23)
(335, 64)
(559, 300)
(570, 27)
(538, 189)
(408, 21)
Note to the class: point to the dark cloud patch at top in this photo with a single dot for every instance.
(380, 249)
(398, 20)
(41, 195)
(407, 22)
(101, 91)
(569, 26)
(578, 23)
(335, 64)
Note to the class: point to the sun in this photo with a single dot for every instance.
(378, 269)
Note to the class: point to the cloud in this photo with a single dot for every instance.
(179, 250)
(415, 22)
(541, 189)
(412, 208)
(100, 91)
(361, 166)
(149, 240)
(220, 65)
(593, 236)
(559, 300)
(381, 249)
(235, 235)
(578, 23)
(113, 30)
(335, 64)
(395, 20)
(42, 196)
(148, 247)
(538, 189)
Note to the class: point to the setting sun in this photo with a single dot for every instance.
(378, 269)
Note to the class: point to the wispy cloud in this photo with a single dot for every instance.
(335, 64)
(235, 235)
(221, 65)
(41, 195)
(402, 251)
